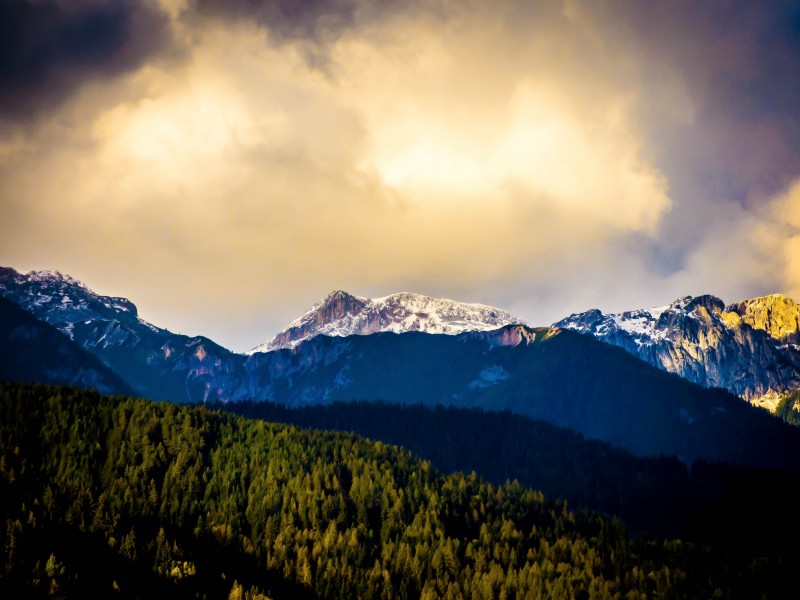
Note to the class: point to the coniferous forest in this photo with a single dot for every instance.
(118, 497)
(657, 495)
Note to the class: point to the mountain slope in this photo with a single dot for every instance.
(33, 351)
(342, 314)
(556, 375)
(655, 495)
(158, 364)
(748, 348)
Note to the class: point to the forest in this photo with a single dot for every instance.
(121, 497)
(657, 495)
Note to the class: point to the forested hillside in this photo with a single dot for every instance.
(658, 495)
(117, 497)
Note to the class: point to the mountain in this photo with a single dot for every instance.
(552, 374)
(556, 375)
(776, 314)
(157, 363)
(33, 351)
(341, 314)
(749, 348)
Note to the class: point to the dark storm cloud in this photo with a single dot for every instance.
(290, 19)
(48, 49)
(315, 22)
(740, 61)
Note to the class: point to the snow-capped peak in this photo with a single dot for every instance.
(65, 302)
(342, 314)
(50, 275)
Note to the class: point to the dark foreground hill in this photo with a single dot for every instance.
(113, 497)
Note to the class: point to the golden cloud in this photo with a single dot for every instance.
(422, 154)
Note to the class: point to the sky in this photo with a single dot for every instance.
(225, 165)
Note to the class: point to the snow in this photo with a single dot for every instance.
(397, 313)
(52, 276)
(490, 376)
(42, 299)
(642, 324)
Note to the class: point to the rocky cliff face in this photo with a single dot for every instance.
(777, 314)
(341, 314)
(748, 348)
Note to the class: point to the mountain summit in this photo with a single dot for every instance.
(749, 348)
(776, 314)
(341, 314)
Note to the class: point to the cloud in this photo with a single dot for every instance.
(49, 48)
(784, 231)
(288, 19)
(499, 154)
(247, 164)
(739, 60)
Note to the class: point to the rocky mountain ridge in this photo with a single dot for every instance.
(749, 348)
(157, 363)
(341, 314)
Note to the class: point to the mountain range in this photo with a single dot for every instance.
(407, 348)
(751, 348)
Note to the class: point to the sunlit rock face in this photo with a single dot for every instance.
(749, 348)
(777, 314)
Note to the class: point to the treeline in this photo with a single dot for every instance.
(661, 496)
(116, 497)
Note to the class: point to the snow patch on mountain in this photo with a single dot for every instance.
(490, 376)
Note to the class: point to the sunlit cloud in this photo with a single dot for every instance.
(787, 232)
(501, 155)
